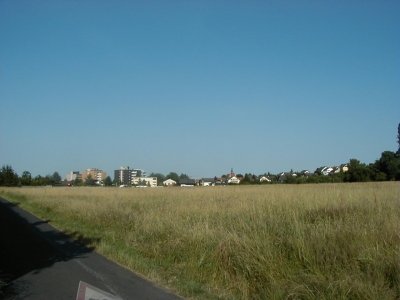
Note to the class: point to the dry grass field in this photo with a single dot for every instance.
(246, 242)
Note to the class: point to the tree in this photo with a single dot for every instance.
(247, 178)
(398, 138)
(38, 180)
(290, 178)
(26, 178)
(78, 182)
(389, 165)
(8, 177)
(358, 172)
(184, 176)
(90, 181)
(56, 178)
(108, 181)
(172, 175)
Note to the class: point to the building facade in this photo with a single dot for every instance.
(96, 174)
(73, 175)
(138, 173)
(144, 181)
(169, 182)
(123, 176)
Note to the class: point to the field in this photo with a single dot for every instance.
(246, 242)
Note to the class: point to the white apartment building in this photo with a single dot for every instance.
(147, 181)
(73, 175)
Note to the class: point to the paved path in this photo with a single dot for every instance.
(40, 262)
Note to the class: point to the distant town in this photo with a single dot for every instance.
(133, 177)
(386, 168)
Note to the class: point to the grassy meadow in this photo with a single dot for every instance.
(324, 241)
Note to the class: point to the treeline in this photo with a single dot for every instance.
(386, 168)
(8, 177)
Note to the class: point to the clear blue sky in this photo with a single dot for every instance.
(197, 87)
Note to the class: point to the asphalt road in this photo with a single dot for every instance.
(39, 262)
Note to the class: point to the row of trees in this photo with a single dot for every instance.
(386, 168)
(8, 177)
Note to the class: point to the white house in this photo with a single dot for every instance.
(169, 182)
(265, 179)
(326, 170)
(233, 180)
(207, 182)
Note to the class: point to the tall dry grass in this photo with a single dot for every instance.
(254, 242)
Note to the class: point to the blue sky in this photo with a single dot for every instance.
(197, 87)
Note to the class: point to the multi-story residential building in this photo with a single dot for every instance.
(129, 176)
(144, 181)
(73, 175)
(94, 173)
(138, 173)
(123, 175)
